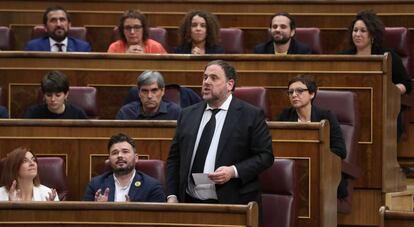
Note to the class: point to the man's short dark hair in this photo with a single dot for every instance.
(229, 70)
(54, 8)
(285, 14)
(119, 138)
(54, 82)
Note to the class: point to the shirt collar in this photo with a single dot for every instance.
(130, 180)
(224, 106)
(163, 109)
(53, 42)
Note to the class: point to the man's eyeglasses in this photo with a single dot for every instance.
(130, 28)
(298, 91)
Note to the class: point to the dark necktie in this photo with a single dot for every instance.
(59, 46)
(204, 144)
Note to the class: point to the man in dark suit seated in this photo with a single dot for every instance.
(123, 182)
(3, 112)
(282, 28)
(57, 23)
(151, 88)
(220, 147)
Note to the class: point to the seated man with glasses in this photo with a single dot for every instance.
(134, 33)
(302, 91)
(150, 106)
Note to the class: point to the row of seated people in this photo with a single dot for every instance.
(145, 102)
(24, 177)
(200, 35)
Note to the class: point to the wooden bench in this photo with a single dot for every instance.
(127, 214)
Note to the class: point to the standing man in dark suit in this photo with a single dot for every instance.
(123, 182)
(283, 29)
(57, 23)
(239, 147)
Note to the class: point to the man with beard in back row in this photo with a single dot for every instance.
(282, 29)
(123, 183)
(57, 23)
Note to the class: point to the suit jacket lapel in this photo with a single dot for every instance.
(110, 183)
(70, 46)
(197, 112)
(230, 122)
(133, 189)
(46, 44)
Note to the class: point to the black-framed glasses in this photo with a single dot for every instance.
(298, 91)
(130, 28)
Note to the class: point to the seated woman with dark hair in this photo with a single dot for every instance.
(20, 179)
(134, 33)
(302, 91)
(199, 34)
(55, 89)
(366, 37)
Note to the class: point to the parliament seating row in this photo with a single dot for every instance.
(279, 185)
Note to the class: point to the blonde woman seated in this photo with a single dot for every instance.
(20, 179)
(134, 33)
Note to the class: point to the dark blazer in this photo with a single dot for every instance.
(3, 112)
(245, 142)
(43, 44)
(318, 114)
(149, 189)
(186, 49)
(399, 74)
(336, 139)
(295, 47)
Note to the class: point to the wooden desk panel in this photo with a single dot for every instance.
(367, 76)
(391, 218)
(317, 201)
(126, 214)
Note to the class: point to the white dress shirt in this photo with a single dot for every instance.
(208, 191)
(54, 48)
(121, 192)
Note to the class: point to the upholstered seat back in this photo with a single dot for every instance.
(398, 39)
(51, 173)
(152, 167)
(257, 96)
(232, 40)
(5, 38)
(155, 33)
(344, 104)
(75, 32)
(310, 37)
(83, 97)
(279, 186)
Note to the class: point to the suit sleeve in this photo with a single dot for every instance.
(89, 193)
(399, 73)
(173, 163)
(336, 138)
(156, 194)
(260, 150)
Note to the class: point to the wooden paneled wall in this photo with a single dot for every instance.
(82, 144)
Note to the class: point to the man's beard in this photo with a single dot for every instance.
(58, 37)
(284, 40)
(123, 171)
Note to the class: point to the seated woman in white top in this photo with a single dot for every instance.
(20, 179)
